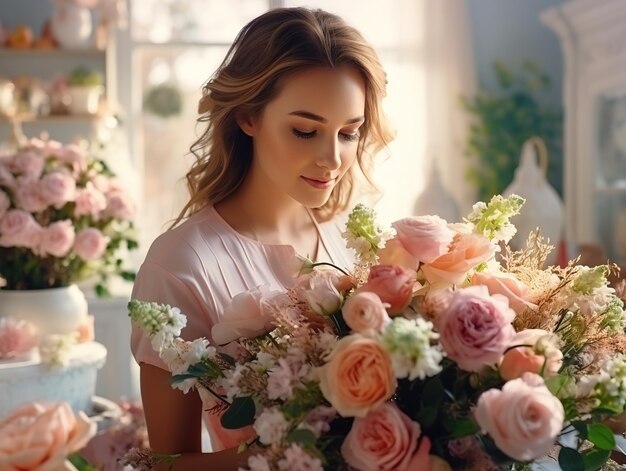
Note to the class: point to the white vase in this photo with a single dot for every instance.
(84, 99)
(543, 208)
(435, 199)
(52, 311)
(71, 25)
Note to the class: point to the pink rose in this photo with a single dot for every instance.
(523, 418)
(503, 283)
(319, 290)
(385, 439)
(425, 237)
(57, 239)
(475, 328)
(7, 179)
(89, 201)
(358, 376)
(245, 316)
(86, 331)
(363, 311)
(5, 203)
(537, 352)
(393, 284)
(119, 206)
(39, 436)
(28, 164)
(19, 229)
(90, 244)
(394, 253)
(57, 188)
(16, 337)
(29, 197)
(73, 155)
(467, 252)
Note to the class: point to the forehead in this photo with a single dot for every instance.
(329, 92)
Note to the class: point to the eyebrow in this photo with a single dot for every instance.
(315, 117)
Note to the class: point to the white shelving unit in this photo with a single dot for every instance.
(593, 40)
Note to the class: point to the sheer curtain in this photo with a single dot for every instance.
(426, 50)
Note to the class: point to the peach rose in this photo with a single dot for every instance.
(394, 253)
(57, 188)
(358, 376)
(538, 352)
(39, 436)
(245, 316)
(57, 239)
(393, 284)
(385, 439)
(363, 311)
(475, 328)
(467, 251)
(523, 418)
(425, 237)
(90, 243)
(506, 284)
(19, 229)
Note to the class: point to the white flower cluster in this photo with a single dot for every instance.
(162, 322)
(608, 386)
(180, 355)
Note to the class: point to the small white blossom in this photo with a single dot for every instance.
(55, 349)
(271, 426)
(284, 377)
(258, 463)
(296, 459)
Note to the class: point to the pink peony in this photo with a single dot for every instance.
(29, 197)
(504, 283)
(73, 155)
(467, 252)
(119, 206)
(475, 328)
(425, 237)
(58, 188)
(19, 229)
(245, 316)
(364, 311)
(40, 436)
(393, 284)
(523, 418)
(90, 244)
(16, 337)
(57, 239)
(89, 201)
(27, 164)
(385, 439)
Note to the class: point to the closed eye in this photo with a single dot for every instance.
(349, 137)
(303, 134)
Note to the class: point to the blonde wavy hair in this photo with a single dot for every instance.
(266, 51)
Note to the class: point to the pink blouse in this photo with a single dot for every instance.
(201, 265)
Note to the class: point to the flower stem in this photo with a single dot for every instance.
(317, 264)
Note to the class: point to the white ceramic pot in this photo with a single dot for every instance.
(84, 100)
(52, 311)
(71, 25)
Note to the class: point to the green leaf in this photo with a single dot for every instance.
(427, 416)
(581, 428)
(239, 414)
(570, 460)
(80, 463)
(302, 436)
(594, 459)
(433, 393)
(601, 436)
(462, 428)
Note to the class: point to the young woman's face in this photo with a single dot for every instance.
(306, 138)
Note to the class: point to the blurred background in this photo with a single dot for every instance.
(486, 97)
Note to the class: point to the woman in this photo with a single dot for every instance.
(291, 110)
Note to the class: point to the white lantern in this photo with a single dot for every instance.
(543, 208)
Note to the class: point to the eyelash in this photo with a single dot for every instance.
(309, 135)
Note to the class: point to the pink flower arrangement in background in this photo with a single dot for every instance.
(63, 217)
(17, 337)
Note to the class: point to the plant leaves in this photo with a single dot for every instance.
(303, 437)
(601, 436)
(570, 460)
(239, 414)
(594, 459)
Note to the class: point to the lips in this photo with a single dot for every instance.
(319, 182)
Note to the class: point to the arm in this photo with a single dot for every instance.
(174, 421)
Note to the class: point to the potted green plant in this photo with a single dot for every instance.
(504, 121)
(85, 88)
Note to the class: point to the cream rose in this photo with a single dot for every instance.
(467, 252)
(363, 311)
(475, 328)
(358, 376)
(385, 439)
(523, 418)
(39, 436)
(245, 316)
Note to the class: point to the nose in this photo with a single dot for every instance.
(329, 156)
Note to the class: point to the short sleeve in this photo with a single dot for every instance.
(155, 284)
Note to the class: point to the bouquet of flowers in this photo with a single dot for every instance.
(441, 349)
(63, 218)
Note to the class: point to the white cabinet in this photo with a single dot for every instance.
(593, 40)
